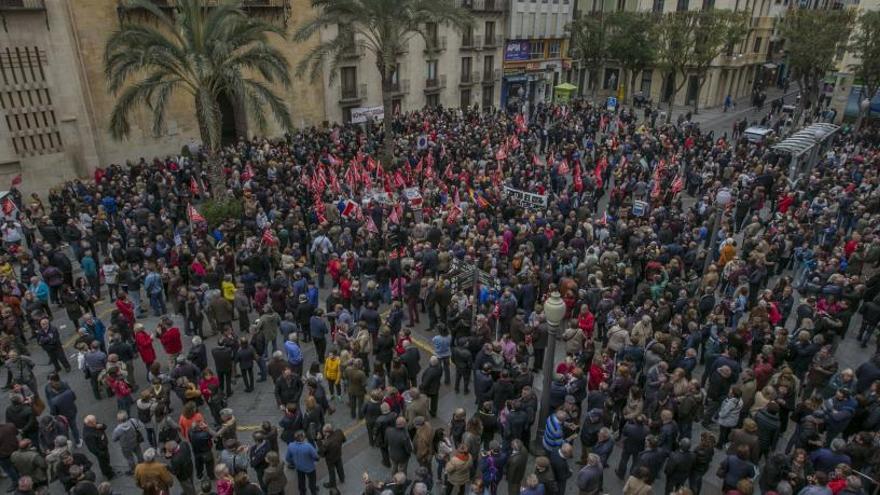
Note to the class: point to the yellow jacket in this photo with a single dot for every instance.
(228, 290)
(331, 369)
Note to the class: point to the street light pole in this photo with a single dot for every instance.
(554, 311)
(722, 197)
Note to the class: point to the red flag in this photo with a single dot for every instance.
(16, 181)
(655, 191)
(578, 180)
(194, 215)
(371, 225)
(419, 167)
(269, 238)
(349, 209)
(456, 200)
(535, 160)
(248, 173)
(448, 173)
(501, 154)
(514, 142)
(394, 216)
(563, 168)
(8, 206)
(334, 160)
(193, 186)
(371, 164)
(454, 213)
(520, 120)
(398, 179)
(677, 185)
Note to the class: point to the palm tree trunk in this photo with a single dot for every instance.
(209, 118)
(387, 119)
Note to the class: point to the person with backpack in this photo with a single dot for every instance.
(129, 434)
(492, 467)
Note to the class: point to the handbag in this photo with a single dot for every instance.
(140, 436)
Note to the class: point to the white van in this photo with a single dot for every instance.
(758, 135)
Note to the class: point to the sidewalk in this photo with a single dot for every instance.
(707, 117)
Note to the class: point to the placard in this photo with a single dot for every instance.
(526, 199)
(639, 208)
(360, 115)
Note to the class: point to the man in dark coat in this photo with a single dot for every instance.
(431, 383)
(652, 457)
(330, 442)
(635, 432)
(180, 463)
(515, 468)
(679, 466)
(400, 446)
(559, 463)
(410, 359)
(223, 362)
(95, 438)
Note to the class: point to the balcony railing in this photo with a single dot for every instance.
(492, 41)
(354, 51)
(22, 4)
(485, 6)
(490, 76)
(400, 87)
(353, 93)
(436, 83)
(273, 8)
(435, 45)
(468, 78)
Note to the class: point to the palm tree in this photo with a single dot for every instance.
(382, 27)
(207, 50)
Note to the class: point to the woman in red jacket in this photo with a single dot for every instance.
(586, 321)
(169, 336)
(144, 343)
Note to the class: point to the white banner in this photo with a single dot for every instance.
(359, 115)
(526, 199)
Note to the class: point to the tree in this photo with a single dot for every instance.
(674, 51)
(382, 27)
(632, 42)
(589, 37)
(865, 47)
(206, 50)
(715, 29)
(813, 39)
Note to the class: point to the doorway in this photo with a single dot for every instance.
(232, 123)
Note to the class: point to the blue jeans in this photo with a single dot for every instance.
(261, 364)
(135, 296)
(157, 302)
(9, 469)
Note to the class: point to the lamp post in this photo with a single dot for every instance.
(722, 197)
(554, 312)
(864, 105)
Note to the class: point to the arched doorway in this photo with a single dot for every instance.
(232, 123)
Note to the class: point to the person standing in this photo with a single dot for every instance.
(153, 477)
(330, 442)
(50, 340)
(223, 362)
(443, 350)
(318, 330)
(357, 387)
(400, 446)
(559, 463)
(302, 456)
(180, 463)
(95, 438)
(430, 385)
(129, 434)
(515, 469)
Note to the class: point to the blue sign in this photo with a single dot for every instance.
(517, 51)
(611, 103)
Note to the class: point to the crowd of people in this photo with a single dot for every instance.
(694, 333)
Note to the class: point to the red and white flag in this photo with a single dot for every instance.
(8, 206)
(371, 225)
(194, 215)
(268, 237)
(677, 185)
(396, 213)
(453, 215)
(248, 173)
(193, 186)
(563, 168)
(350, 209)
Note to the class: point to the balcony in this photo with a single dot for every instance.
(435, 45)
(352, 52)
(35, 5)
(490, 76)
(271, 9)
(485, 6)
(492, 42)
(353, 94)
(435, 85)
(400, 87)
(469, 78)
(475, 43)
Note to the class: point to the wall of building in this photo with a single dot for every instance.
(413, 74)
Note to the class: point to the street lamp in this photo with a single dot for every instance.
(864, 105)
(722, 197)
(554, 312)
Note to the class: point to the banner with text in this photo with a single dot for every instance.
(361, 115)
(526, 199)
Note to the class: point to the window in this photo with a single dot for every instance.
(26, 101)
(488, 67)
(534, 18)
(395, 77)
(467, 36)
(347, 35)
(465, 98)
(542, 30)
(349, 82)
(432, 100)
(610, 80)
(682, 5)
(466, 69)
(646, 82)
(431, 70)
(488, 97)
(658, 6)
(346, 114)
(537, 49)
(431, 36)
(490, 33)
(757, 47)
(555, 46)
